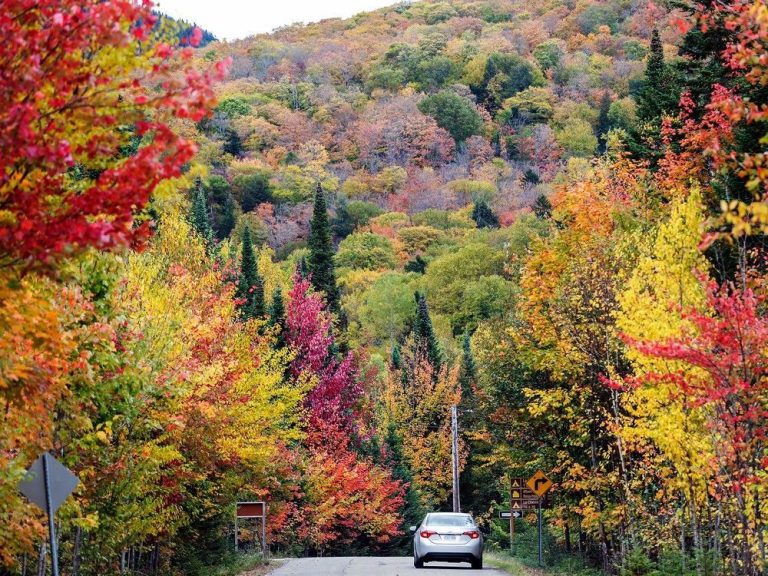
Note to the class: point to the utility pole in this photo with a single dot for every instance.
(455, 457)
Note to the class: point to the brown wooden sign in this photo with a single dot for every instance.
(250, 510)
(522, 497)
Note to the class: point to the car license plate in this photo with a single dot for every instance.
(450, 538)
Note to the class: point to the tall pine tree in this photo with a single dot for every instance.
(395, 359)
(660, 93)
(199, 217)
(250, 287)
(542, 207)
(277, 315)
(228, 218)
(603, 121)
(321, 253)
(424, 334)
(484, 216)
(467, 373)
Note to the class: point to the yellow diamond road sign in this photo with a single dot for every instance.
(539, 483)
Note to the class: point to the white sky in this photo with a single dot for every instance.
(233, 19)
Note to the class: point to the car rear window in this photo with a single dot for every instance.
(448, 520)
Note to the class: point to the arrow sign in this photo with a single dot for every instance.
(539, 483)
(508, 514)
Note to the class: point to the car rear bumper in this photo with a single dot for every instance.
(450, 553)
(450, 557)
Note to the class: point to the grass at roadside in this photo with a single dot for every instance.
(263, 568)
(523, 567)
(509, 564)
(241, 565)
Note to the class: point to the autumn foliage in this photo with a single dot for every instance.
(69, 122)
(275, 285)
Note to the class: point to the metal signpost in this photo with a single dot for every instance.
(521, 498)
(47, 484)
(253, 510)
(540, 485)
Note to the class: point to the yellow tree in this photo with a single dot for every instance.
(664, 284)
(417, 401)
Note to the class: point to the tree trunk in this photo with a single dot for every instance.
(41, 560)
(604, 549)
(76, 552)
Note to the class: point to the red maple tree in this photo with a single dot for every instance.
(86, 96)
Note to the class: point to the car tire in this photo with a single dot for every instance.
(417, 562)
(477, 564)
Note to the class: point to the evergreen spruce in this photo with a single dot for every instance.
(199, 217)
(301, 267)
(228, 218)
(412, 511)
(343, 225)
(659, 93)
(424, 335)
(542, 207)
(654, 71)
(321, 253)
(232, 143)
(468, 371)
(250, 286)
(484, 216)
(496, 143)
(277, 316)
(395, 359)
(418, 265)
(277, 308)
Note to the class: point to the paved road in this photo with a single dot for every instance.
(373, 567)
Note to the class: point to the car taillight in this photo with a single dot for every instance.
(474, 534)
(426, 534)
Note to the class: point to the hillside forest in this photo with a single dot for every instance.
(267, 269)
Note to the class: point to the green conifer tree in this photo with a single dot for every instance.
(321, 253)
(417, 265)
(199, 216)
(395, 359)
(250, 286)
(468, 372)
(484, 216)
(424, 335)
(603, 121)
(228, 218)
(277, 315)
(542, 207)
(412, 511)
(277, 308)
(659, 93)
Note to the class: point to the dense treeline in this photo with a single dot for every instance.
(547, 213)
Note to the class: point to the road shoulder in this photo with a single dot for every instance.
(263, 569)
(511, 565)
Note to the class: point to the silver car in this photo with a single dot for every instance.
(447, 537)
